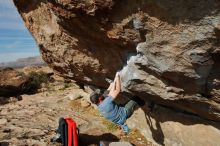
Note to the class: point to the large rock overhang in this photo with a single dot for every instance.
(168, 51)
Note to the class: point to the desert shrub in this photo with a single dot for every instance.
(22, 74)
(66, 85)
(36, 79)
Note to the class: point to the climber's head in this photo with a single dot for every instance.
(96, 97)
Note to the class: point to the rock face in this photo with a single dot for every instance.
(168, 50)
(11, 82)
(171, 128)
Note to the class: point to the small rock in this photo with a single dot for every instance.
(42, 89)
(3, 100)
(174, 89)
(73, 96)
(58, 87)
(13, 99)
(139, 139)
(11, 82)
(89, 89)
(4, 112)
(58, 78)
(3, 121)
(85, 103)
(76, 94)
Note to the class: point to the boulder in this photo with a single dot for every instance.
(77, 94)
(11, 82)
(170, 128)
(168, 50)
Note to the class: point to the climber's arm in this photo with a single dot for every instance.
(116, 87)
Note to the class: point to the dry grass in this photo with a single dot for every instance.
(136, 138)
(110, 126)
(76, 104)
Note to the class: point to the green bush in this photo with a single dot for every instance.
(67, 85)
(35, 81)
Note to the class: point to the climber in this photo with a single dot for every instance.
(109, 109)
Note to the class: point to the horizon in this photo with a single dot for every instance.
(15, 40)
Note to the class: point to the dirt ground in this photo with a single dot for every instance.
(33, 120)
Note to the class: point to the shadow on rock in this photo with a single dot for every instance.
(157, 132)
(86, 140)
(4, 144)
(5, 100)
(160, 115)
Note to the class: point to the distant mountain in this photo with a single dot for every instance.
(22, 62)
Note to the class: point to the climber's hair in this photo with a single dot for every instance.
(96, 97)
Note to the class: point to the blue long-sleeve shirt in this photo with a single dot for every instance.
(111, 111)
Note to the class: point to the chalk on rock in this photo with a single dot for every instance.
(138, 24)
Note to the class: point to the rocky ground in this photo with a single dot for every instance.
(30, 115)
(33, 120)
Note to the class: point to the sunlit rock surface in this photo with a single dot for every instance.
(11, 82)
(168, 50)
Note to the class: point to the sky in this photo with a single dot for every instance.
(15, 40)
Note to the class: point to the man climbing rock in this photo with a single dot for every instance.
(112, 111)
